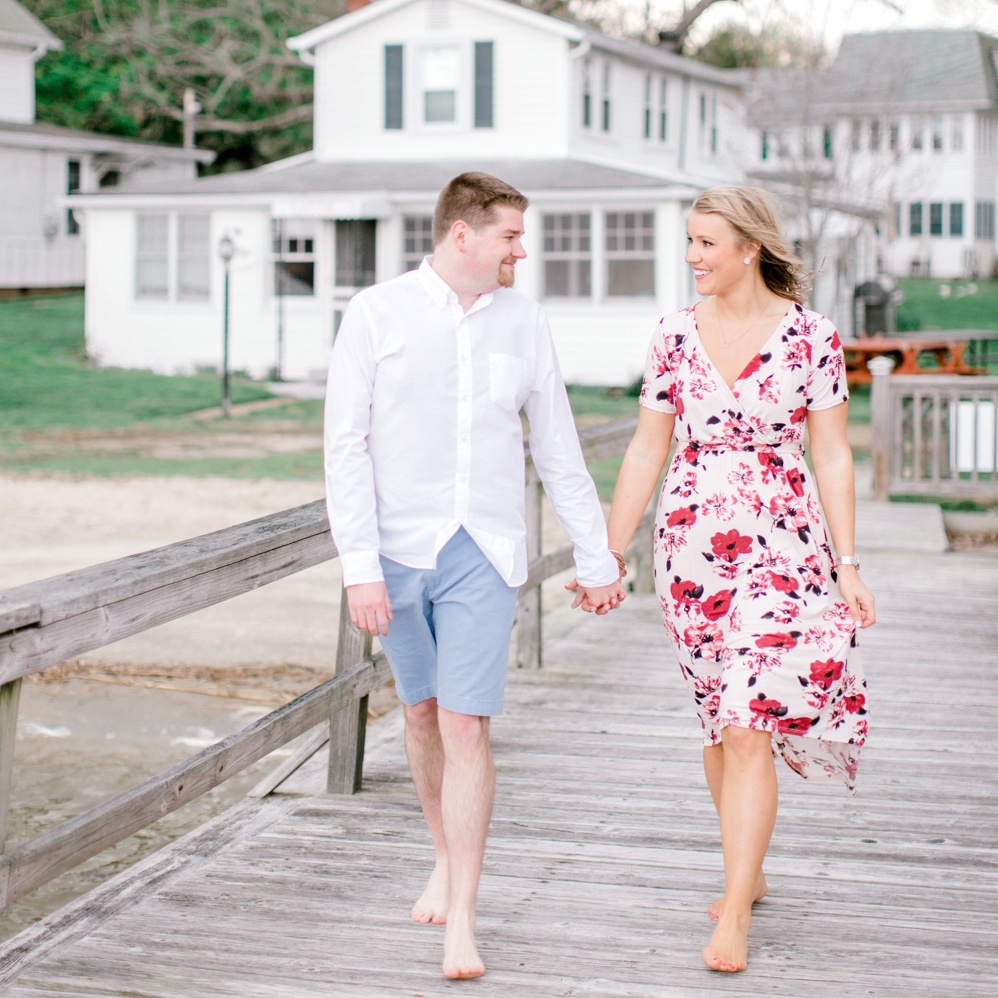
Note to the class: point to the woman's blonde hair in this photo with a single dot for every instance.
(755, 215)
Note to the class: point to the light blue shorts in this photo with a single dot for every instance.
(449, 633)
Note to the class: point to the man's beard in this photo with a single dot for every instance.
(506, 276)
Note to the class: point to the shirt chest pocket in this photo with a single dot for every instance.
(507, 380)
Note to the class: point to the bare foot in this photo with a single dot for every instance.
(432, 904)
(761, 887)
(461, 960)
(727, 950)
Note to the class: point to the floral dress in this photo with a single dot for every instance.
(743, 566)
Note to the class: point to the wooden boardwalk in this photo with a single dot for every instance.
(604, 852)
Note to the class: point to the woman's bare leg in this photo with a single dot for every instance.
(747, 810)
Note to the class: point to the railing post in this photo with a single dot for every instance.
(528, 607)
(348, 722)
(10, 698)
(881, 425)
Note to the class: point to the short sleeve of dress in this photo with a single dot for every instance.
(826, 382)
(659, 385)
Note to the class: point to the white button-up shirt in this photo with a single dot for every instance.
(423, 434)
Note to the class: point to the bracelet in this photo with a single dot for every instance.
(846, 559)
(620, 562)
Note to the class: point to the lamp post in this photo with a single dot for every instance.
(226, 250)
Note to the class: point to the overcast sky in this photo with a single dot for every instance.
(830, 19)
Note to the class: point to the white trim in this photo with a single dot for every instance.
(98, 143)
(381, 8)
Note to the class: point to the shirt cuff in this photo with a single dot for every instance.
(600, 571)
(360, 567)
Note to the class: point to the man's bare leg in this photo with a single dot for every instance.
(748, 802)
(467, 796)
(425, 752)
(713, 767)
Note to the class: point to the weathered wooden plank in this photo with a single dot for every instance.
(88, 588)
(70, 843)
(15, 614)
(10, 698)
(31, 650)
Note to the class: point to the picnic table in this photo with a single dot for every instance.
(912, 354)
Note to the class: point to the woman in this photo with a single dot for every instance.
(762, 619)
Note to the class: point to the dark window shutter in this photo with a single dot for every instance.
(393, 86)
(483, 85)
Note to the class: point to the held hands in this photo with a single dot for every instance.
(597, 599)
(855, 593)
(370, 609)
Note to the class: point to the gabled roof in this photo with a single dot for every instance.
(662, 58)
(20, 27)
(381, 8)
(881, 72)
(41, 135)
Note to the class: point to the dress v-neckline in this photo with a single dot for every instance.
(751, 360)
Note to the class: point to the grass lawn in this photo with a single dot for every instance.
(48, 383)
(60, 414)
(961, 305)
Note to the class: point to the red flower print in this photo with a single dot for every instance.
(716, 606)
(770, 708)
(796, 481)
(825, 674)
(795, 725)
(729, 546)
(771, 462)
(799, 414)
(855, 703)
(835, 342)
(784, 583)
(684, 592)
(785, 640)
(685, 516)
(752, 367)
(703, 641)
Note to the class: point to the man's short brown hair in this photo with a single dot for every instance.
(473, 198)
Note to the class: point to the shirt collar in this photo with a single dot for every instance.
(441, 292)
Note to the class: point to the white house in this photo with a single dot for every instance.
(41, 243)
(905, 121)
(611, 140)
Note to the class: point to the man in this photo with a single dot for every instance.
(425, 490)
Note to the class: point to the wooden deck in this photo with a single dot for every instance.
(603, 853)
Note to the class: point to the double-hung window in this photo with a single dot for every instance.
(417, 240)
(172, 257)
(567, 255)
(629, 249)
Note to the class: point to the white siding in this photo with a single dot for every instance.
(530, 77)
(35, 248)
(17, 84)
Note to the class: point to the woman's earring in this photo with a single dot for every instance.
(747, 260)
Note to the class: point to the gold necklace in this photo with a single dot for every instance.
(720, 329)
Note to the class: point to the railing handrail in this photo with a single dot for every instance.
(45, 622)
(918, 424)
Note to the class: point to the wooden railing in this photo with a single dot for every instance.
(45, 622)
(933, 435)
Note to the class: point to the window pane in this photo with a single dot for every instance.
(556, 278)
(355, 252)
(440, 105)
(152, 274)
(567, 256)
(417, 240)
(935, 219)
(151, 279)
(294, 277)
(630, 277)
(956, 219)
